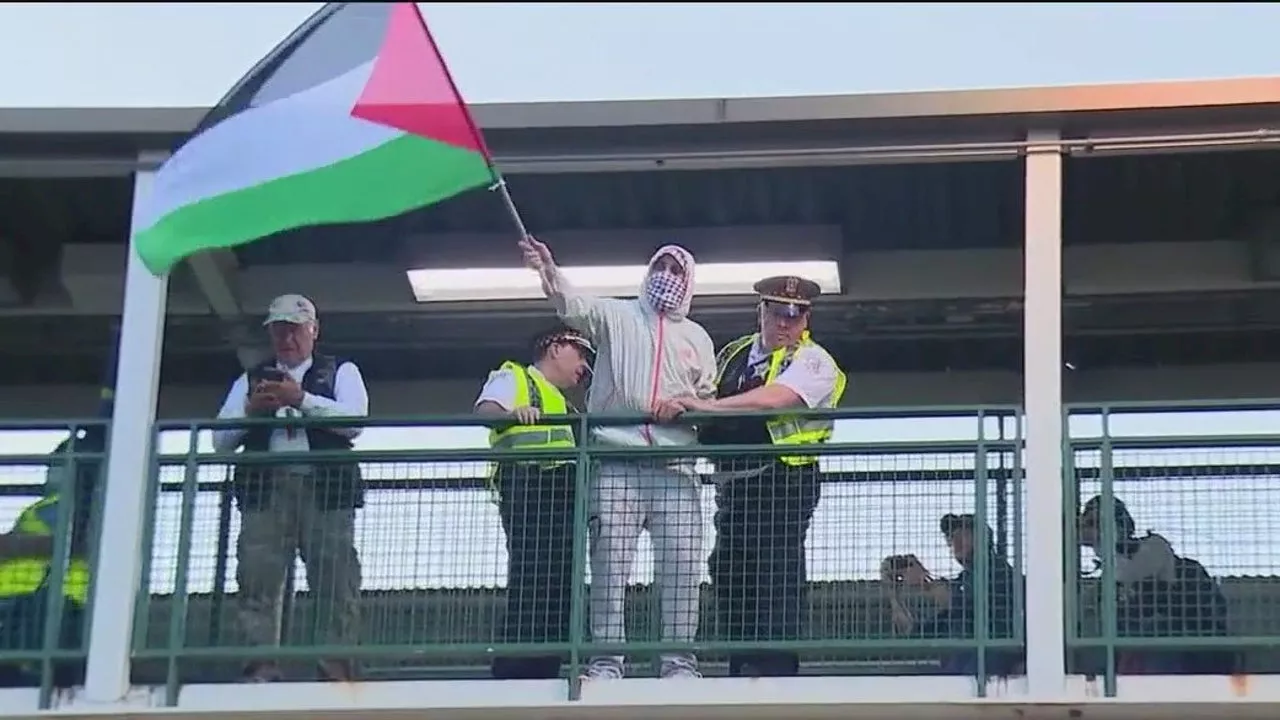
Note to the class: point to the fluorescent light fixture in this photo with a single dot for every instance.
(508, 283)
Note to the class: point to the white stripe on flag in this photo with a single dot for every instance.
(303, 132)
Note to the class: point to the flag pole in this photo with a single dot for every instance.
(499, 182)
(510, 204)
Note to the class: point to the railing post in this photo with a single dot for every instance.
(137, 385)
(1042, 397)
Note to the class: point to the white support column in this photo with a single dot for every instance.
(1042, 398)
(137, 384)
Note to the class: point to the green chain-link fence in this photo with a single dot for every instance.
(723, 529)
(467, 556)
(1170, 542)
(49, 517)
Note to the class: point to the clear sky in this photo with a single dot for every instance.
(188, 54)
(437, 538)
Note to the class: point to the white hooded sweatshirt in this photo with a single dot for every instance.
(642, 356)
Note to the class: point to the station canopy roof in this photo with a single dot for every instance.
(923, 187)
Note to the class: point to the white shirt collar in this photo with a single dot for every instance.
(299, 370)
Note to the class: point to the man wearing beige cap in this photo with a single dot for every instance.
(305, 509)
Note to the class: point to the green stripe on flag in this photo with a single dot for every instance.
(402, 174)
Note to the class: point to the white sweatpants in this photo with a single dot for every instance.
(626, 498)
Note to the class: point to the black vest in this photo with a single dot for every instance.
(739, 377)
(338, 485)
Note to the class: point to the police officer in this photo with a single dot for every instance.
(536, 499)
(27, 562)
(764, 504)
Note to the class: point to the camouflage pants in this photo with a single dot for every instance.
(290, 525)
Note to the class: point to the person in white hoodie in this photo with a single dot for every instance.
(648, 354)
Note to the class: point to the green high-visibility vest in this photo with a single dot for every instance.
(533, 390)
(787, 430)
(25, 576)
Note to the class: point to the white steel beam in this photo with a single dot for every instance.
(128, 465)
(1042, 399)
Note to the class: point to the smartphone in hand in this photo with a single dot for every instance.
(267, 375)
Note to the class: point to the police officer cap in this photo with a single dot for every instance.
(793, 294)
(562, 334)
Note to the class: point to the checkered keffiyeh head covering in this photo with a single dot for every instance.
(668, 292)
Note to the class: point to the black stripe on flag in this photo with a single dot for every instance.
(334, 40)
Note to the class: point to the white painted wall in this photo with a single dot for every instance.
(188, 54)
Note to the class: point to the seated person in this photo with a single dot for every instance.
(953, 600)
(1159, 594)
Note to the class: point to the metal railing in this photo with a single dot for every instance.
(43, 634)
(1187, 587)
(450, 622)
(434, 553)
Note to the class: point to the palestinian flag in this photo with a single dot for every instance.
(354, 118)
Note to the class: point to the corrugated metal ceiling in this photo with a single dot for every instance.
(922, 206)
(1191, 196)
(1169, 198)
(1107, 200)
(1188, 196)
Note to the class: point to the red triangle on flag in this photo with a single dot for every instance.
(410, 88)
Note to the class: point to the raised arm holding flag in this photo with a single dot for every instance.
(354, 118)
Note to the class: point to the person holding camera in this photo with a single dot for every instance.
(950, 605)
(302, 508)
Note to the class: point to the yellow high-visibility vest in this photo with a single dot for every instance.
(25, 576)
(784, 429)
(533, 390)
